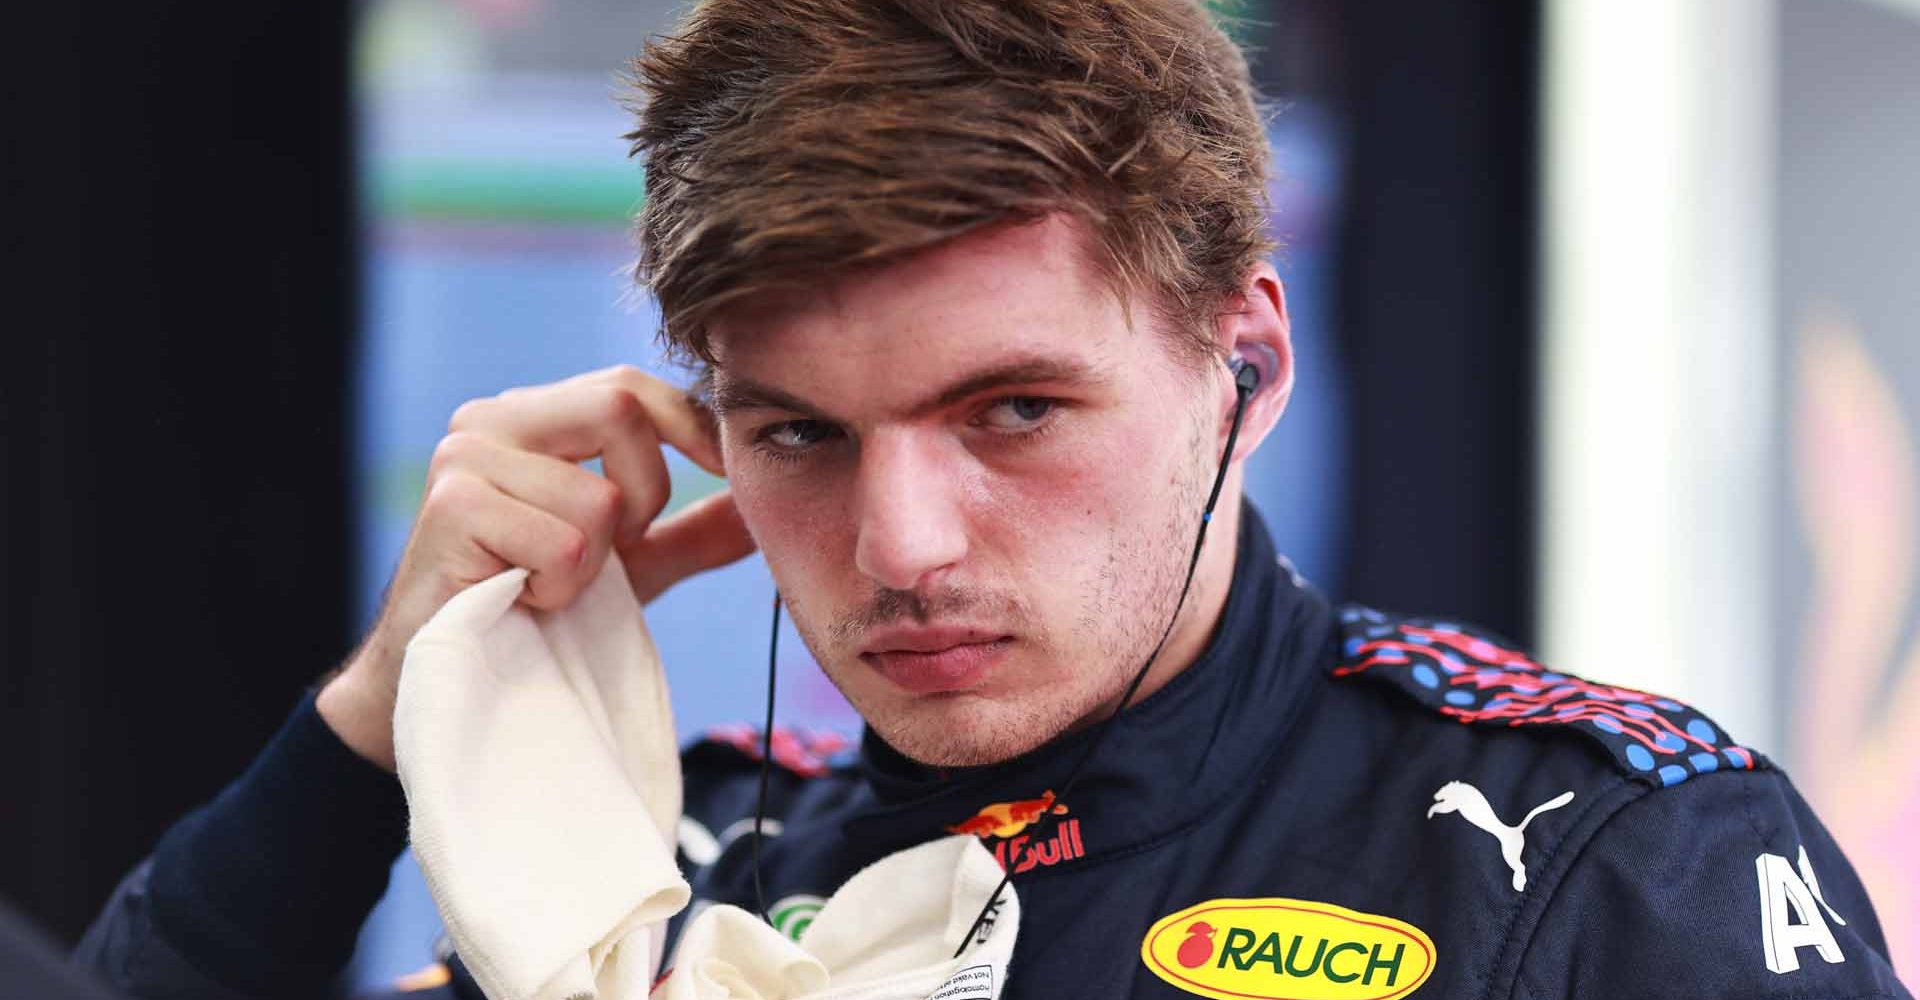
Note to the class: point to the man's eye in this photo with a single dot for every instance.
(1017, 413)
(794, 434)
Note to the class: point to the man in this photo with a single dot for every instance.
(960, 276)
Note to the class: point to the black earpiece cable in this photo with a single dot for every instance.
(1246, 378)
(766, 762)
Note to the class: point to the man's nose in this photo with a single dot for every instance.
(907, 506)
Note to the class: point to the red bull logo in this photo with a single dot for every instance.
(1007, 822)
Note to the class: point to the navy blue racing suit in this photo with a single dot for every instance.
(1329, 802)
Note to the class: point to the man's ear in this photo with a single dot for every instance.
(1253, 323)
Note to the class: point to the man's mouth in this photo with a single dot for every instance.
(936, 660)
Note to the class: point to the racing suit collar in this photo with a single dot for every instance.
(1171, 756)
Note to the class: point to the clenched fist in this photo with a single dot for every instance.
(505, 489)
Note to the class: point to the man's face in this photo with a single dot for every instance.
(975, 487)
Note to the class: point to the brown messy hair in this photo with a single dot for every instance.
(786, 141)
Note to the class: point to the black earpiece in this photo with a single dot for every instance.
(1248, 372)
(1246, 376)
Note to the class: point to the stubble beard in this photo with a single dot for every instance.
(1140, 591)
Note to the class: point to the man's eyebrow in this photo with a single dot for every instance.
(1017, 372)
(734, 395)
(730, 394)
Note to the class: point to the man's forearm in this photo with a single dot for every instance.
(263, 890)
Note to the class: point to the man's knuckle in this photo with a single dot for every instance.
(467, 415)
(461, 490)
(621, 405)
(440, 500)
(641, 383)
(570, 551)
(629, 375)
(453, 450)
(604, 500)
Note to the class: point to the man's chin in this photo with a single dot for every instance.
(962, 730)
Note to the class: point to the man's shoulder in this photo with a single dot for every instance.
(1458, 673)
(1461, 733)
(811, 775)
(1626, 843)
(803, 753)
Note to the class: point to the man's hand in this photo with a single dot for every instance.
(505, 489)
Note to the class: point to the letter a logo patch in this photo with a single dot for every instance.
(1790, 917)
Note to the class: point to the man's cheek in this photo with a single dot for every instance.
(780, 532)
(1074, 487)
(779, 509)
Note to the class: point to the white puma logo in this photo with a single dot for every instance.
(1460, 797)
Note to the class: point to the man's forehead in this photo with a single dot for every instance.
(1006, 307)
(1042, 271)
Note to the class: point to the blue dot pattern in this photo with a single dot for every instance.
(1480, 679)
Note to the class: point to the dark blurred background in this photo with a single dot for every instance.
(1604, 311)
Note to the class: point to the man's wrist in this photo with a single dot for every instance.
(359, 715)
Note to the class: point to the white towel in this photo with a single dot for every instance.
(542, 775)
(888, 934)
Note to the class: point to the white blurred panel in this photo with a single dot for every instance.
(1658, 401)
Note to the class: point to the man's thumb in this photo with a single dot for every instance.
(704, 534)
